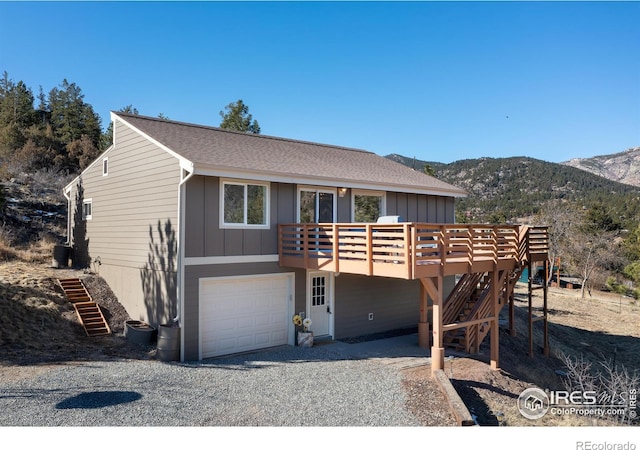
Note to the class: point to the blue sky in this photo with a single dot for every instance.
(439, 81)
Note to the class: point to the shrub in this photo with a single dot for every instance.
(610, 381)
(3, 200)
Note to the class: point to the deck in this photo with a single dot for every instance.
(410, 250)
(487, 258)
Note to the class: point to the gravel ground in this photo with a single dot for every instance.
(288, 386)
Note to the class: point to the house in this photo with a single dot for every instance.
(230, 234)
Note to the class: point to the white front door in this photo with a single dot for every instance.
(320, 302)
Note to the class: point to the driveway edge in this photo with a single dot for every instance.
(458, 408)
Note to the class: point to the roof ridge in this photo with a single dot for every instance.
(223, 130)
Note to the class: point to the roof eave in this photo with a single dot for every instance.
(231, 172)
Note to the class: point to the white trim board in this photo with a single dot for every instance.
(243, 259)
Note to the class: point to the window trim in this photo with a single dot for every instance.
(105, 166)
(363, 192)
(89, 202)
(245, 225)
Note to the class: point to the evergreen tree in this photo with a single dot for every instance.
(71, 117)
(237, 118)
(80, 245)
(16, 114)
(76, 127)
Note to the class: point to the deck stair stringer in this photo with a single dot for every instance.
(478, 306)
(89, 312)
(458, 303)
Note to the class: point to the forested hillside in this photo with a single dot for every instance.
(508, 189)
(56, 131)
(593, 221)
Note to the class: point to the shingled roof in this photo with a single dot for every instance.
(210, 149)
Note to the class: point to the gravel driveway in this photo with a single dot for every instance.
(286, 386)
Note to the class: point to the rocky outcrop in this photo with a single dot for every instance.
(623, 167)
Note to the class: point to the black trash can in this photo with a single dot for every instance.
(61, 255)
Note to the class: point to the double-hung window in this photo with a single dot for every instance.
(244, 204)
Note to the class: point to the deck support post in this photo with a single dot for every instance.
(545, 307)
(495, 330)
(530, 268)
(424, 339)
(512, 312)
(434, 287)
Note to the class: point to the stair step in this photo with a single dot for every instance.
(89, 312)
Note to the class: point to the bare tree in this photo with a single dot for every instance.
(612, 383)
(590, 252)
(560, 217)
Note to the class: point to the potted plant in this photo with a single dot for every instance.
(305, 336)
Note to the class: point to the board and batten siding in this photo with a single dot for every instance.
(421, 208)
(394, 303)
(134, 224)
(204, 237)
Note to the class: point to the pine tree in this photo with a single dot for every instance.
(238, 118)
(80, 246)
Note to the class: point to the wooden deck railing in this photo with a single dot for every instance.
(406, 250)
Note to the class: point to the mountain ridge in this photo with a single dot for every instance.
(623, 167)
(513, 188)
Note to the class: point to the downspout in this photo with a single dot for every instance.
(68, 197)
(180, 252)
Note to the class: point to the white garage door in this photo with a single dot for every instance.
(238, 314)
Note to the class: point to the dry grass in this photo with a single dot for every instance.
(38, 325)
(40, 251)
(595, 329)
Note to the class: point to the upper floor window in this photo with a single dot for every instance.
(105, 166)
(244, 204)
(368, 206)
(87, 206)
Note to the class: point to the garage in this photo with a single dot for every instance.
(243, 313)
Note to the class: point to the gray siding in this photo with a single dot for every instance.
(133, 230)
(395, 304)
(190, 321)
(204, 237)
(421, 208)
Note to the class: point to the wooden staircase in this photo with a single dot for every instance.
(89, 312)
(471, 300)
(457, 307)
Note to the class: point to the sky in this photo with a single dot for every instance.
(439, 81)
